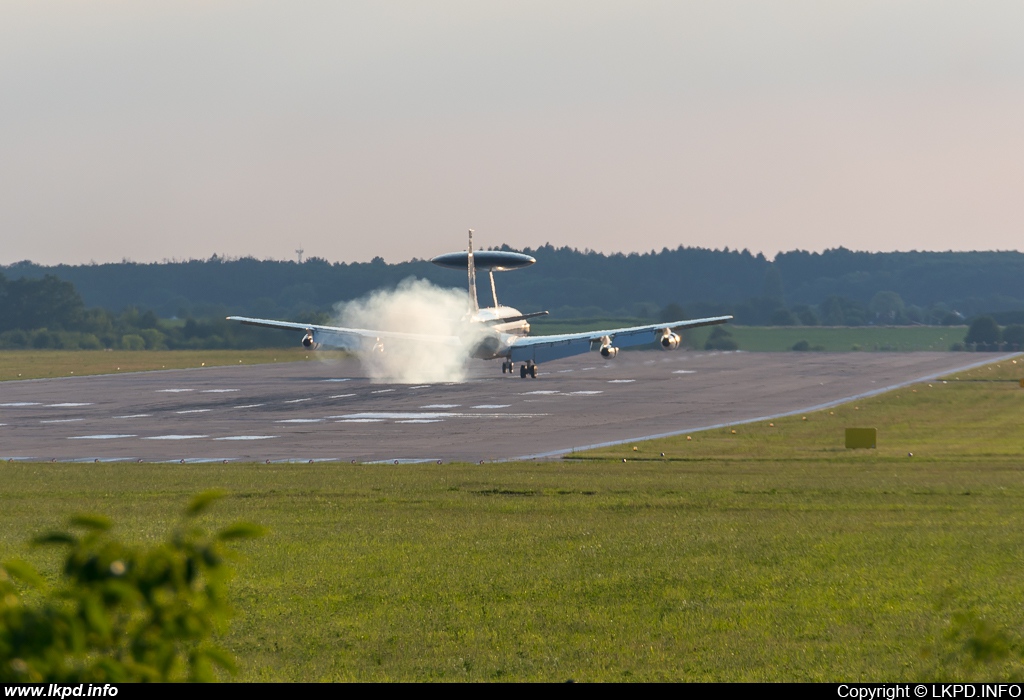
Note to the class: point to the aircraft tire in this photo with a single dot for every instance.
(522, 372)
(533, 371)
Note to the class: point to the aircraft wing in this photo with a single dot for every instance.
(544, 348)
(348, 338)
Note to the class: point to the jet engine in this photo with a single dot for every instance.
(308, 342)
(607, 351)
(669, 340)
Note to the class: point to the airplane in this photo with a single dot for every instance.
(496, 331)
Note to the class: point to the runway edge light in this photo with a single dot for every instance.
(861, 438)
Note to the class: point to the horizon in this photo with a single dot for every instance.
(234, 258)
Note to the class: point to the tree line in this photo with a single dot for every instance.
(183, 304)
(49, 313)
(835, 287)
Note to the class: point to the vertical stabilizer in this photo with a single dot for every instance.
(471, 267)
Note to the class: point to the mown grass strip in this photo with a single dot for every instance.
(41, 364)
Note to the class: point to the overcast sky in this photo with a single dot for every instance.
(159, 130)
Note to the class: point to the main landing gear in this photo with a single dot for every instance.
(527, 369)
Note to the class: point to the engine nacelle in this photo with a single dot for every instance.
(308, 342)
(607, 351)
(669, 340)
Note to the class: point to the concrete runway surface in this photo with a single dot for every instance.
(306, 411)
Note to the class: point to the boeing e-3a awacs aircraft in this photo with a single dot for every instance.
(496, 331)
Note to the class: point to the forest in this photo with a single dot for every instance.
(183, 303)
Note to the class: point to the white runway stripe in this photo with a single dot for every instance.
(248, 437)
(100, 437)
(176, 437)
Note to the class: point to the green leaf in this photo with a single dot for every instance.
(24, 572)
(240, 531)
(203, 501)
(91, 522)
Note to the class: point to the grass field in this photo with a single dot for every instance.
(37, 364)
(771, 553)
(783, 338)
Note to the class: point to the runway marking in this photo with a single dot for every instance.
(176, 437)
(361, 420)
(398, 415)
(100, 437)
(422, 420)
(621, 381)
(441, 405)
(540, 391)
(196, 410)
(587, 369)
(62, 420)
(492, 405)
(217, 391)
(421, 386)
(250, 405)
(298, 400)
(248, 437)
(67, 405)
(383, 391)
(172, 391)
(584, 393)
(300, 420)
(21, 403)
(685, 371)
(564, 371)
(346, 379)
(137, 415)
(340, 396)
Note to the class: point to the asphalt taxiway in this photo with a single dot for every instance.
(316, 410)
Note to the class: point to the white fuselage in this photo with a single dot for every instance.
(493, 342)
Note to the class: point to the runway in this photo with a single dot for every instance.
(316, 411)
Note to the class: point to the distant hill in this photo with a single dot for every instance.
(573, 283)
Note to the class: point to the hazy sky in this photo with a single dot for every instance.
(152, 130)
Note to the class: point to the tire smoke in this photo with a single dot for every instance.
(416, 307)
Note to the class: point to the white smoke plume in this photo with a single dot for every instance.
(418, 307)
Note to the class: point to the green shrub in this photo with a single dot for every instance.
(132, 342)
(120, 613)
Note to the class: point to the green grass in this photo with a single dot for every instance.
(768, 554)
(37, 364)
(783, 338)
(841, 339)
